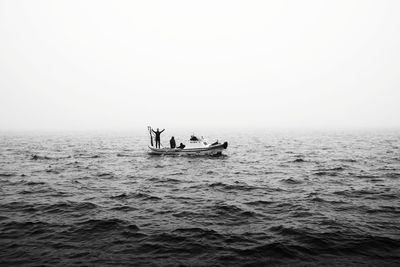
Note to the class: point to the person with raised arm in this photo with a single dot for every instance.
(158, 137)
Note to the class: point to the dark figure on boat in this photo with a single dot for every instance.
(194, 138)
(172, 142)
(158, 137)
(181, 146)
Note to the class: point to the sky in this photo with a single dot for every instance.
(120, 65)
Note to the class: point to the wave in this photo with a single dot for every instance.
(171, 180)
(291, 181)
(7, 174)
(329, 171)
(187, 214)
(233, 211)
(165, 180)
(122, 155)
(383, 196)
(105, 174)
(34, 183)
(347, 160)
(20, 206)
(196, 231)
(322, 200)
(237, 186)
(57, 193)
(103, 225)
(20, 228)
(87, 156)
(178, 173)
(367, 176)
(392, 175)
(64, 207)
(138, 195)
(120, 196)
(374, 246)
(226, 208)
(318, 199)
(186, 241)
(260, 203)
(55, 171)
(61, 207)
(301, 214)
(350, 243)
(40, 157)
(383, 209)
(274, 250)
(123, 208)
(324, 173)
(221, 211)
(26, 192)
(374, 194)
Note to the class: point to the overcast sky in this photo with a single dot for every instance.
(93, 65)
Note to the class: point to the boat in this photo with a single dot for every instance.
(196, 146)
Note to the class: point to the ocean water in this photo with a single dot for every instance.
(274, 198)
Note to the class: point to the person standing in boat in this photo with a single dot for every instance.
(172, 142)
(158, 137)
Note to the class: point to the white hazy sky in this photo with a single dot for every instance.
(72, 65)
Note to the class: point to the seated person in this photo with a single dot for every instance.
(194, 138)
(181, 146)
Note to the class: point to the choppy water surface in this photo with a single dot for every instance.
(274, 199)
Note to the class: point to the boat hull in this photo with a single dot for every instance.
(213, 150)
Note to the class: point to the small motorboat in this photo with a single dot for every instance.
(196, 146)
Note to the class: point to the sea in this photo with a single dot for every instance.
(274, 198)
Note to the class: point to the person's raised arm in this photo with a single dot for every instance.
(153, 131)
(162, 130)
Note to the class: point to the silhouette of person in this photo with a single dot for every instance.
(172, 142)
(181, 146)
(158, 137)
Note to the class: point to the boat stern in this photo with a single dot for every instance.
(225, 145)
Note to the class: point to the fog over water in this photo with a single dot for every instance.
(96, 65)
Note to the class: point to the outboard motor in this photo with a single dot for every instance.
(225, 145)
